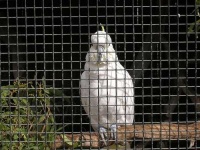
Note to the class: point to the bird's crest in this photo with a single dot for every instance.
(102, 27)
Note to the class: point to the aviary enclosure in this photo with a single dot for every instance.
(43, 46)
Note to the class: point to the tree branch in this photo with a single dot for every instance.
(163, 131)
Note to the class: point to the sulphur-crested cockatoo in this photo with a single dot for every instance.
(106, 87)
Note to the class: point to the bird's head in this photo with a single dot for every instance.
(101, 51)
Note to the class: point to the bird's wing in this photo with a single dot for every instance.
(84, 90)
(127, 92)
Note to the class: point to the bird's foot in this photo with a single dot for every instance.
(103, 134)
(192, 142)
(113, 129)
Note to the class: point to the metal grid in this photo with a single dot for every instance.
(43, 47)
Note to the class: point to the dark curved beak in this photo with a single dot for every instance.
(100, 50)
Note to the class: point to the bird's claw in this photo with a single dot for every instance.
(103, 134)
(192, 141)
(113, 129)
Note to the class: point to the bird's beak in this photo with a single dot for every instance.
(100, 50)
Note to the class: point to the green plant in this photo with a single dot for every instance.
(26, 118)
(194, 27)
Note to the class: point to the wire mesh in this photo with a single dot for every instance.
(43, 47)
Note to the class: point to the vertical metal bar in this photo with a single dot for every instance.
(53, 66)
(89, 35)
(44, 38)
(106, 25)
(71, 66)
(97, 25)
(124, 26)
(107, 88)
(26, 50)
(26, 57)
(186, 75)
(62, 62)
(178, 70)
(8, 39)
(133, 18)
(137, 12)
(1, 105)
(196, 49)
(160, 61)
(116, 44)
(17, 55)
(17, 40)
(79, 27)
(169, 61)
(142, 32)
(35, 63)
(44, 53)
(71, 73)
(151, 66)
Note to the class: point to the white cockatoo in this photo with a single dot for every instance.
(106, 88)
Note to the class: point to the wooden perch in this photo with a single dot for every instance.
(164, 131)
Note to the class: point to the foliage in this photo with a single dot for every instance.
(70, 143)
(26, 118)
(194, 27)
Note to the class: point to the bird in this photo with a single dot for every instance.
(106, 88)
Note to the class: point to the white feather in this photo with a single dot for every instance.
(106, 89)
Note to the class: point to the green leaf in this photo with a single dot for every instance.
(33, 148)
(47, 101)
(192, 28)
(24, 136)
(5, 147)
(51, 137)
(58, 93)
(9, 87)
(3, 127)
(55, 92)
(52, 129)
(15, 100)
(41, 119)
(197, 2)
(59, 129)
(51, 119)
(15, 137)
(66, 140)
(69, 142)
(24, 101)
(47, 148)
(43, 82)
(5, 93)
